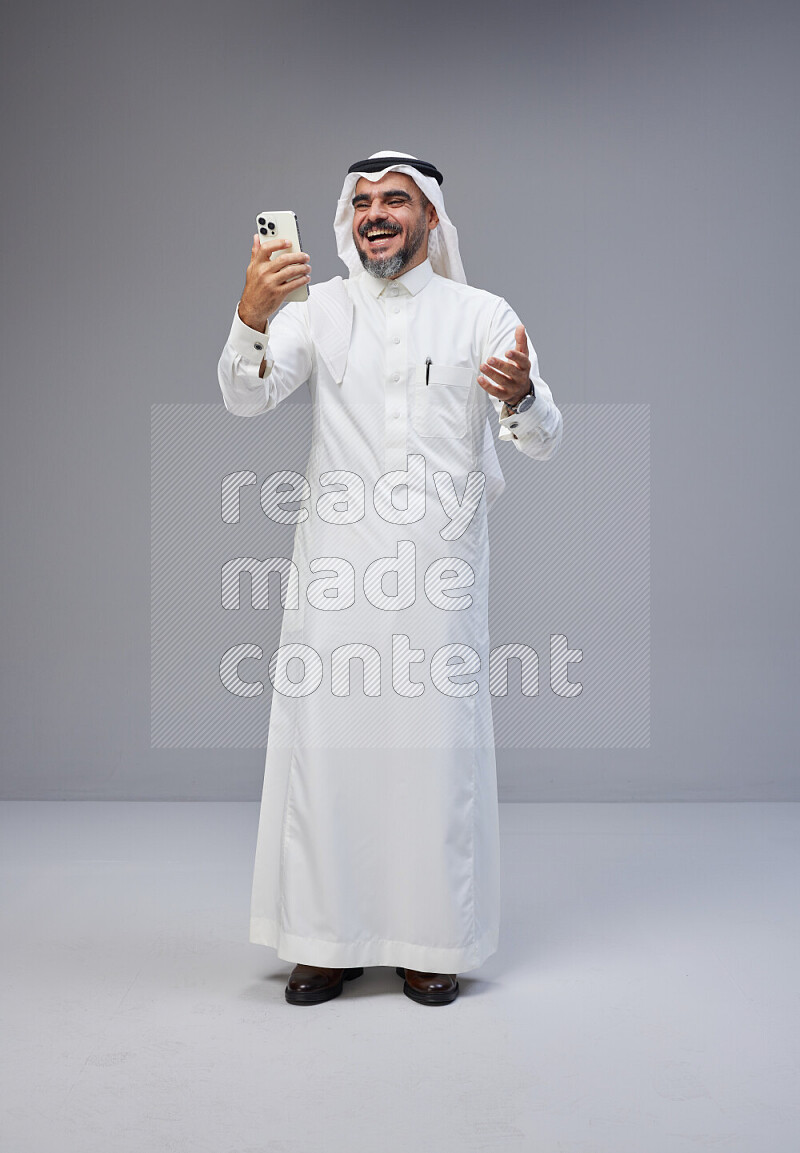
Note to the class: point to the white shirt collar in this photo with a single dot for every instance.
(412, 281)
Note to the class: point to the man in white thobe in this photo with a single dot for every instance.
(378, 834)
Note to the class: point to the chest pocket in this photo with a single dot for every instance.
(441, 405)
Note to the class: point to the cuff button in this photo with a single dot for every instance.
(259, 347)
(514, 425)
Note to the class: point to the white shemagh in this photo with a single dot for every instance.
(442, 241)
(330, 309)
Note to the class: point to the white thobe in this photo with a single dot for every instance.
(378, 839)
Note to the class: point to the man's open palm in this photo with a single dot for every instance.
(511, 377)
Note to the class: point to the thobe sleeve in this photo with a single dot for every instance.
(537, 431)
(286, 347)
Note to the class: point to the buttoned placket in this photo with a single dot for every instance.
(394, 299)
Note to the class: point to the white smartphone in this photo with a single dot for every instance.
(282, 226)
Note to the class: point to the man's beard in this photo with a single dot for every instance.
(387, 267)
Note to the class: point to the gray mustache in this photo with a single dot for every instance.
(384, 226)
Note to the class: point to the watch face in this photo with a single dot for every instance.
(526, 402)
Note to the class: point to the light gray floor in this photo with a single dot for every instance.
(644, 998)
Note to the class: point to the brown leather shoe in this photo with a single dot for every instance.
(309, 984)
(429, 988)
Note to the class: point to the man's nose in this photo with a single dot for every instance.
(376, 211)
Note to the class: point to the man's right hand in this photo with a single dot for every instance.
(269, 281)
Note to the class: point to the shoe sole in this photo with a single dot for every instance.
(317, 996)
(426, 998)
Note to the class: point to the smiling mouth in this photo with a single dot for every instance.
(379, 236)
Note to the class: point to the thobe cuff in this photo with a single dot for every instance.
(521, 425)
(248, 342)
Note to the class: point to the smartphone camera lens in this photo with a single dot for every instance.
(263, 231)
(271, 226)
(261, 220)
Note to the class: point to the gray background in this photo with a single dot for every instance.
(625, 175)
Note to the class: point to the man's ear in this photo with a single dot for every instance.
(433, 217)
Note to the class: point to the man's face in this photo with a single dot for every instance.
(391, 224)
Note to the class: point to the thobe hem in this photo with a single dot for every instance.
(372, 951)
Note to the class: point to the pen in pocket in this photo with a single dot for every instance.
(428, 363)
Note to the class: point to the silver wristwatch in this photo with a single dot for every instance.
(525, 403)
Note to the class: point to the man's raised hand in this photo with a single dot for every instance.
(269, 280)
(512, 376)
